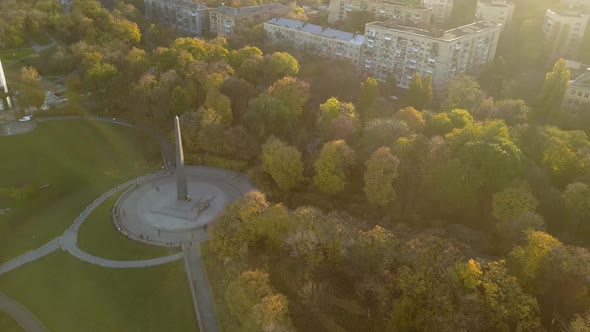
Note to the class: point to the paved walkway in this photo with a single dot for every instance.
(200, 289)
(30, 256)
(23, 316)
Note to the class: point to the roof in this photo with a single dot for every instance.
(496, 3)
(183, 3)
(318, 30)
(567, 13)
(448, 35)
(245, 11)
(581, 81)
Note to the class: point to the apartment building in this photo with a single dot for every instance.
(577, 95)
(184, 15)
(5, 102)
(576, 3)
(402, 13)
(499, 11)
(315, 39)
(564, 31)
(224, 20)
(402, 51)
(441, 9)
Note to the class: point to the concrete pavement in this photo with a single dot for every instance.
(23, 316)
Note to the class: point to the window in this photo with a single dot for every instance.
(579, 93)
(573, 92)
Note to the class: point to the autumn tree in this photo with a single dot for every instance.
(380, 176)
(283, 163)
(556, 83)
(413, 119)
(333, 166)
(253, 303)
(338, 120)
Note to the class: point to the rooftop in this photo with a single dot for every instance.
(582, 80)
(318, 30)
(567, 13)
(402, 4)
(497, 3)
(245, 11)
(448, 35)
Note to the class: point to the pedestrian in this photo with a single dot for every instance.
(205, 227)
(141, 236)
(158, 189)
(158, 232)
(123, 212)
(147, 237)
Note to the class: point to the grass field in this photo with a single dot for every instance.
(77, 161)
(12, 55)
(8, 324)
(98, 237)
(69, 295)
(218, 281)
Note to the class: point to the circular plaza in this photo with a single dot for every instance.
(150, 211)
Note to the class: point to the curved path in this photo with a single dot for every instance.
(23, 316)
(68, 241)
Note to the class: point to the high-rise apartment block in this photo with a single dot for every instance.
(314, 39)
(224, 20)
(391, 50)
(441, 9)
(383, 10)
(184, 15)
(564, 31)
(402, 51)
(577, 95)
(499, 11)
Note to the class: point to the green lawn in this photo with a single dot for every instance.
(98, 237)
(12, 55)
(8, 324)
(218, 281)
(79, 161)
(69, 295)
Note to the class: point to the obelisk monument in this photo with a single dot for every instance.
(181, 187)
(5, 102)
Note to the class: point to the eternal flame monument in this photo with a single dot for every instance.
(171, 207)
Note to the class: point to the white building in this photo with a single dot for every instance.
(183, 15)
(225, 21)
(577, 95)
(441, 9)
(564, 31)
(402, 51)
(5, 102)
(499, 11)
(383, 10)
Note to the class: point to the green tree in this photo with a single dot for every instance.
(513, 202)
(580, 323)
(380, 176)
(420, 92)
(373, 250)
(283, 163)
(463, 93)
(381, 132)
(556, 83)
(280, 64)
(512, 111)
(293, 92)
(267, 115)
(438, 125)
(577, 200)
(33, 93)
(368, 96)
(237, 57)
(333, 166)
(338, 120)
(527, 261)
